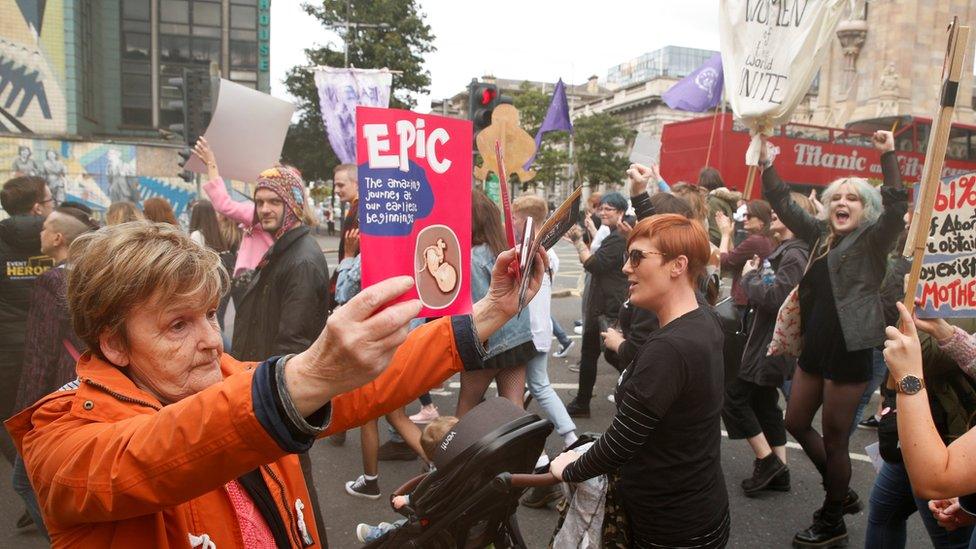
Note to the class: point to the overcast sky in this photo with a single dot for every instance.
(523, 39)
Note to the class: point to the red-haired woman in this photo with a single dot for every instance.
(664, 439)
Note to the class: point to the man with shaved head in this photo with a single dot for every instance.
(50, 345)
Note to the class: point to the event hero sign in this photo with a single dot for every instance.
(947, 286)
(415, 204)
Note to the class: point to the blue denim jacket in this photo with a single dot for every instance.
(517, 330)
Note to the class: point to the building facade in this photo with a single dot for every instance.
(86, 96)
(103, 67)
(669, 61)
(886, 60)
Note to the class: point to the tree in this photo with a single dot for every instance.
(399, 45)
(553, 156)
(600, 141)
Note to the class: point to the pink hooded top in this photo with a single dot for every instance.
(255, 241)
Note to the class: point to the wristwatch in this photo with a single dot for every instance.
(909, 385)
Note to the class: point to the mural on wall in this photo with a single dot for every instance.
(98, 174)
(32, 71)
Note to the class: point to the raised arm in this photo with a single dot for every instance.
(894, 198)
(770, 297)
(241, 212)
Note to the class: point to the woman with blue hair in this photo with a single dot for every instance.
(841, 320)
(604, 295)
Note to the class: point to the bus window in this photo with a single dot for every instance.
(960, 144)
(904, 140)
(812, 133)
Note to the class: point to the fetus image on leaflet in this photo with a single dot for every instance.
(444, 274)
(438, 266)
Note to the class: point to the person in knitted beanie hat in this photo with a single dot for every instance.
(278, 216)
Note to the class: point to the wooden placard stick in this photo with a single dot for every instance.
(750, 182)
(935, 157)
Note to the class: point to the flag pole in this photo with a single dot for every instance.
(711, 137)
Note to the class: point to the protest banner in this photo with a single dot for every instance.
(241, 151)
(926, 197)
(415, 205)
(340, 92)
(771, 51)
(947, 281)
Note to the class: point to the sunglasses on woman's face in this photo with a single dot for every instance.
(635, 256)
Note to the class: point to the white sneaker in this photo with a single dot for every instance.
(426, 414)
(611, 398)
(563, 351)
(578, 330)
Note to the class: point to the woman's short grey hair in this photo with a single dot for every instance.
(870, 196)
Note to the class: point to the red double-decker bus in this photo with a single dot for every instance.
(809, 156)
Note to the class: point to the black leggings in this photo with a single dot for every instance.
(425, 399)
(828, 452)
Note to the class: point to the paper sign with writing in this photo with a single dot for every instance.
(947, 286)
(771, 51)
(415, 205)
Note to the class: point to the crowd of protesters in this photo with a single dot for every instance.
(141, 411)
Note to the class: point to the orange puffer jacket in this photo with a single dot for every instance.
(113, 468)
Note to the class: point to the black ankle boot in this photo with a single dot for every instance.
(576, 408)
(828, 530)
(852, 505)
(763, 473)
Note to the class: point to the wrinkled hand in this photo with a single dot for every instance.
(558, 465)
(640, 177)
(624, 229)
(950, 515)
(612, 339)
(902, 351)
(883, 140)
(355, 346)
(724, 223)
(935, 327)
(751, 265)
(351, 248)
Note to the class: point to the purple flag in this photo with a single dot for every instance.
(700, 90)
(557, 118)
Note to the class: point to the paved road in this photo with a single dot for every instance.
(765, 522)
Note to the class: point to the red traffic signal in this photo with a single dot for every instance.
(488, 95)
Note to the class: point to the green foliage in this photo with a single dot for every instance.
(599, 149)
(553, 155)
(400, 46)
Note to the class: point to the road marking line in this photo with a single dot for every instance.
(795, 446)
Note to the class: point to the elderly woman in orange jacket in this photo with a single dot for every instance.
(165, 441)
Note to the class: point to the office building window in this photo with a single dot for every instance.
(87, 32)
(174, 11)
(135, 81)
(243, 17)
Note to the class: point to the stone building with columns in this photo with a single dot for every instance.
(887, 61)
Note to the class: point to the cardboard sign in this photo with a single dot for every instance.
(947, 285)
(246, 132)
(771, 51)
(415, 205)
(646, 150)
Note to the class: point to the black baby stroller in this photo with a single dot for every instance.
(470, 499)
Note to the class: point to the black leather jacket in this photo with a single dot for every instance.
(858, 263)
(286, 305)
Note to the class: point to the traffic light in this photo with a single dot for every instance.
(482, 98)
(193, 89)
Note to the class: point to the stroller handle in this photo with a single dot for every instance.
(521, 480)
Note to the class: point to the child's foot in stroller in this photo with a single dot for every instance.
(540, 496)
(367, 534)
(363, 487)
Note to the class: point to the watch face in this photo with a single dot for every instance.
(910, 385)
